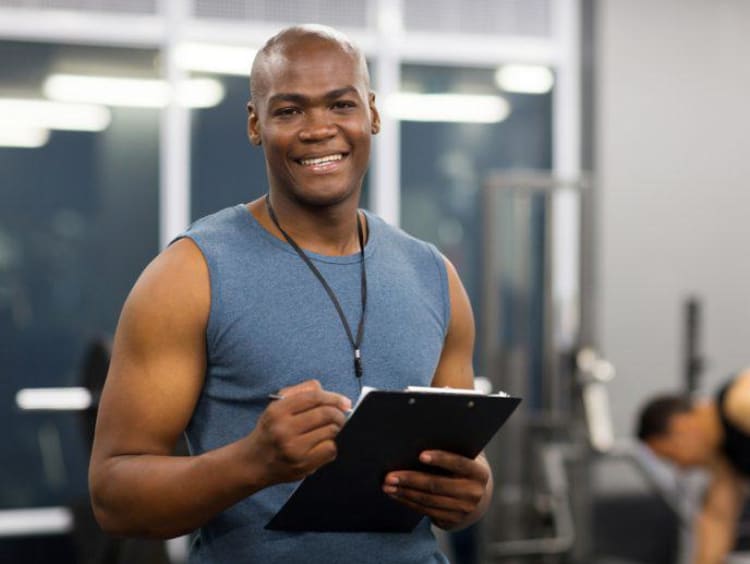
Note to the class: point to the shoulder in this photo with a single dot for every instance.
(736, 405)
(399, 240)
(172, 290)
(218, 224)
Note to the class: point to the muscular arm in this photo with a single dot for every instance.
(717, 522)
(158, 361)
(460, 499)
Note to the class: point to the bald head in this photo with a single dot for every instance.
(289, 43)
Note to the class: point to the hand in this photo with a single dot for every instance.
(295, 435)
(450, 501)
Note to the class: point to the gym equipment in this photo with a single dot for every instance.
(89, 544)
(538, 342)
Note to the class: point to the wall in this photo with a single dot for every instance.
(673, 158)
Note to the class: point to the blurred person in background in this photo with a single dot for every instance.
(713, 434)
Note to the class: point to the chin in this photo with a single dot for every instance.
(311, 197)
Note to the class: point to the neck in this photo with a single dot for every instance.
(328, 230)
(710, 421)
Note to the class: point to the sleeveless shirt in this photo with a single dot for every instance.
(271, 325)
(736, 444)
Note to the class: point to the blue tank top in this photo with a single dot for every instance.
(271, 325)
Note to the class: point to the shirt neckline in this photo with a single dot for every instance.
(372, 233)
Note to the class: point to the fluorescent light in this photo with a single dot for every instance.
(37, 521)
(466, 108)
(44, 114)
(524, 79)
(108, 91)
(200, 93)
(214, 58)
(23, 137)
(132, 92)
(55, 399)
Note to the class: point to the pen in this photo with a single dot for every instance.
(273, 397)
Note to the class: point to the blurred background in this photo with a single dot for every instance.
(583, 163)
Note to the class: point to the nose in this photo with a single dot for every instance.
(317, 127)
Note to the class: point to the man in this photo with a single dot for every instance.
(713, 434)
(300, 295)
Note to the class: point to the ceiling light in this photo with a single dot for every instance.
(524, 79)
(65, 399)
(200, 93)
(23, 137)
(214, 58)
(132, 92)
(44, 114)
(463, 108)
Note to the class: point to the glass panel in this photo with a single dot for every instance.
(78, 222)
(444, 164)
(226, 168)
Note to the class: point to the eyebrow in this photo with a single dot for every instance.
(302, 99)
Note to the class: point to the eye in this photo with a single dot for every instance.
(286, 112)
(343, 105)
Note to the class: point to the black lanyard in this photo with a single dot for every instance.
(356, 343)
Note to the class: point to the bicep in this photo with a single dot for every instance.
(455, 367)
(158, 357)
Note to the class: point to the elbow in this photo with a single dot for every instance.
(104, 513)
(107, 520)
(116, 523)
(116, 518)
(108, 513)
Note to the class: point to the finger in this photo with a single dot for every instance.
(304, 400)
(322, 453)
(311, 386)
(456, 464)
(444, 518)
(431, 490)
(429, 483)
(316, 418)
(310, 441)
(303, 459)
(306, 386)
(428, 500)
(306, 452)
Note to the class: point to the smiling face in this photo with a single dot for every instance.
(314, 117)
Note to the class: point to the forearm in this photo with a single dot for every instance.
(166, 496)
(713, 540)
(715, 525)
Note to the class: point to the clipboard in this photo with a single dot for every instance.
(387, 431)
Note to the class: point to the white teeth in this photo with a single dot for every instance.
(321, 160)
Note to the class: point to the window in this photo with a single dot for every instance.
(78, 222)
(444, 164)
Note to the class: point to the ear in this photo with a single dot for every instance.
(374, 115)
(253, 124)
